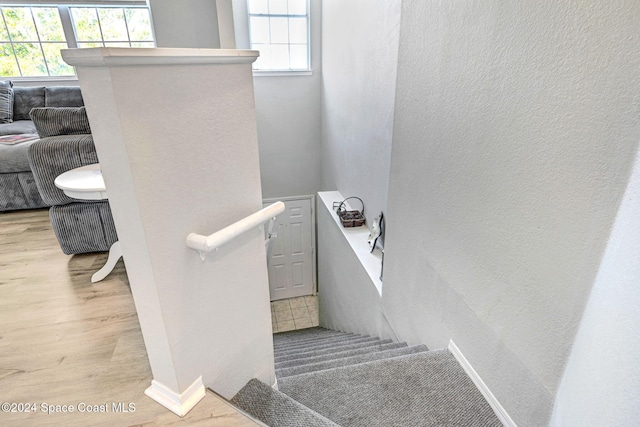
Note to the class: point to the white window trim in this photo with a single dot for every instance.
(75, 3)
(282, 73)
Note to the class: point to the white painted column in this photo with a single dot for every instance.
(176, 137)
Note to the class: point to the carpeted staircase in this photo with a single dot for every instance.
(330, 378)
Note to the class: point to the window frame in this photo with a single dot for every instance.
(103, 41)
(71, 38)
(283, 71)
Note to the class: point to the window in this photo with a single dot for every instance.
(30, 40)
(31, 36)
(279, 29)
(112, 27)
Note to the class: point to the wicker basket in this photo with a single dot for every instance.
(350, 218)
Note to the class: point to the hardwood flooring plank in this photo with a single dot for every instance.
(66, 341)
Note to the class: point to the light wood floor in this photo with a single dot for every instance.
(65, 341)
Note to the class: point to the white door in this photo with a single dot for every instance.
(290, 253)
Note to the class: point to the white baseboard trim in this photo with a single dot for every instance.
(501, 413)
(178, 403)
(275, 384)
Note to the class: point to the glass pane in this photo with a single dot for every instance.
(57, 67)
(30, 59)
(299, 57)
(278, 7)
(143, 44)
(280, 57)
(139, 24)
(48, 24)
(8, 64)
(298, 30)
(264, 60)
(258, 6)
(259, 30)
(297, 7)
(117, 44)
(279, 30)
(85, 21)
(4, 35)
(87, 45)
(113, 25)
(20, 23)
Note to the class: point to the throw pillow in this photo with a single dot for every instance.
(52, 121)
(6, 101)
(25, 98)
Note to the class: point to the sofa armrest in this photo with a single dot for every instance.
(49, 157)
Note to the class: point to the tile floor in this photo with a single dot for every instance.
(294, 313)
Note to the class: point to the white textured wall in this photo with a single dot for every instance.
(359, 55)
(348, 299)
(288, 114)
(190, 23)
(515, 128)
(601, 384)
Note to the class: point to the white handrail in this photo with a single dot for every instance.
(213, 241)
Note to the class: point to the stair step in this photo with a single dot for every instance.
(300, 335)
(328, 345)
(316, 341)
(423, 389)
(276, 409)
(280, 356)
(338, 355)
(283, 337)
(347, 361)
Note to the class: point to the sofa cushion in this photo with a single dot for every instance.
(63, 96)
(26, 98)
(52, 121)
(19, 191)
(17, 127)
(49, 157)
(14, 158)
(6, 101)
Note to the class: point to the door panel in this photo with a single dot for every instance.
(291, 252)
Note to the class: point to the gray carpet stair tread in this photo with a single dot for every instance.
(275, 408)
(283, 337)
(322, 344)
(321, 341)
(281, 358)
(317, 352)
(354, 352)
(307, 338)
(347, 361)
(325, 346)
(423, 389)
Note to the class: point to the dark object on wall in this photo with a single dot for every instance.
(352, 218)
(377, 230)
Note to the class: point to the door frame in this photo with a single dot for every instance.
(314, 253)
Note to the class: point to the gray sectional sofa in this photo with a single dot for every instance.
(28, 169)
(66, 143)
(18, 189)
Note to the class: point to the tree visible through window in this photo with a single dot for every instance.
(30, 42)
(31, 36)
(112, 27)
(279, 29)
